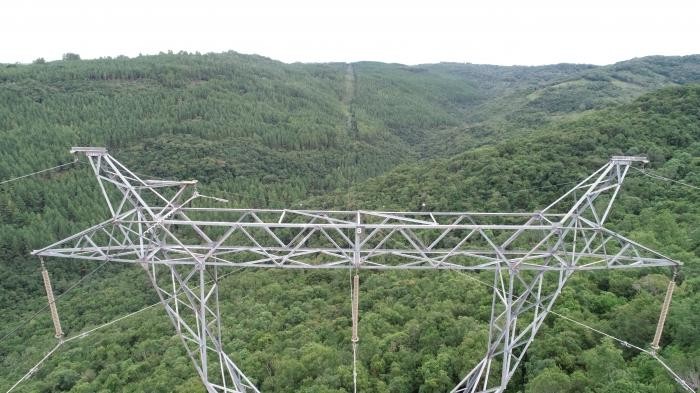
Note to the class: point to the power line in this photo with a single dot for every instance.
(309, 248)
(84, 334)
(33, 316)
(659, 177)
(77, 336)
(38, 172)
(36, 367)
(655, 356)
(549, 186)
(104, 325)
(180, 291)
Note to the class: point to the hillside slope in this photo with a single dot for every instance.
(290, 331)
(526, 98)
(526, 173)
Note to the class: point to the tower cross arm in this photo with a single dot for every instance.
(263, 238)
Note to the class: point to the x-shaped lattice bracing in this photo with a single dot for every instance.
(182, 247)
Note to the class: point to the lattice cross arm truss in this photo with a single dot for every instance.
(183, 248)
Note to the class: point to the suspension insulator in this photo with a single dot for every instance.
(355, 307)
(52, 302)
(664, 313)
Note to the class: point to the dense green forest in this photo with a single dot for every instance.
(368, 135)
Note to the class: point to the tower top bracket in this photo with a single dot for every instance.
(89, 151)
(629, 159)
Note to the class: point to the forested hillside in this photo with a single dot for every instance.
(526, 98)
(368, 135)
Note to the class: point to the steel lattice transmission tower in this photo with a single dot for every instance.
(182, 249)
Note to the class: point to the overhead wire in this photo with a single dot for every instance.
(548, 186)
(600, 332)
(33, 316)
(355, 319)
(38, 172)
(99, 327)
(77, 336)
(112, 322)
(36, 367)
(663, 178)
(88, 332)
(47, 306)
(627, 344)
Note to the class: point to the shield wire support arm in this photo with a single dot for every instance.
(182, 248)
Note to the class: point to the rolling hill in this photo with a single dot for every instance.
(368, 135)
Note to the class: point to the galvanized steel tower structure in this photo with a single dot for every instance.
(183, 249)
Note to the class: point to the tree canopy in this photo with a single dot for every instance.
(370, 136)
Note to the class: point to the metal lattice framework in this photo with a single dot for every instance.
(182, 249)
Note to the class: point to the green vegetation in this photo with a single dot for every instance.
(376, 136)
(523, 99)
